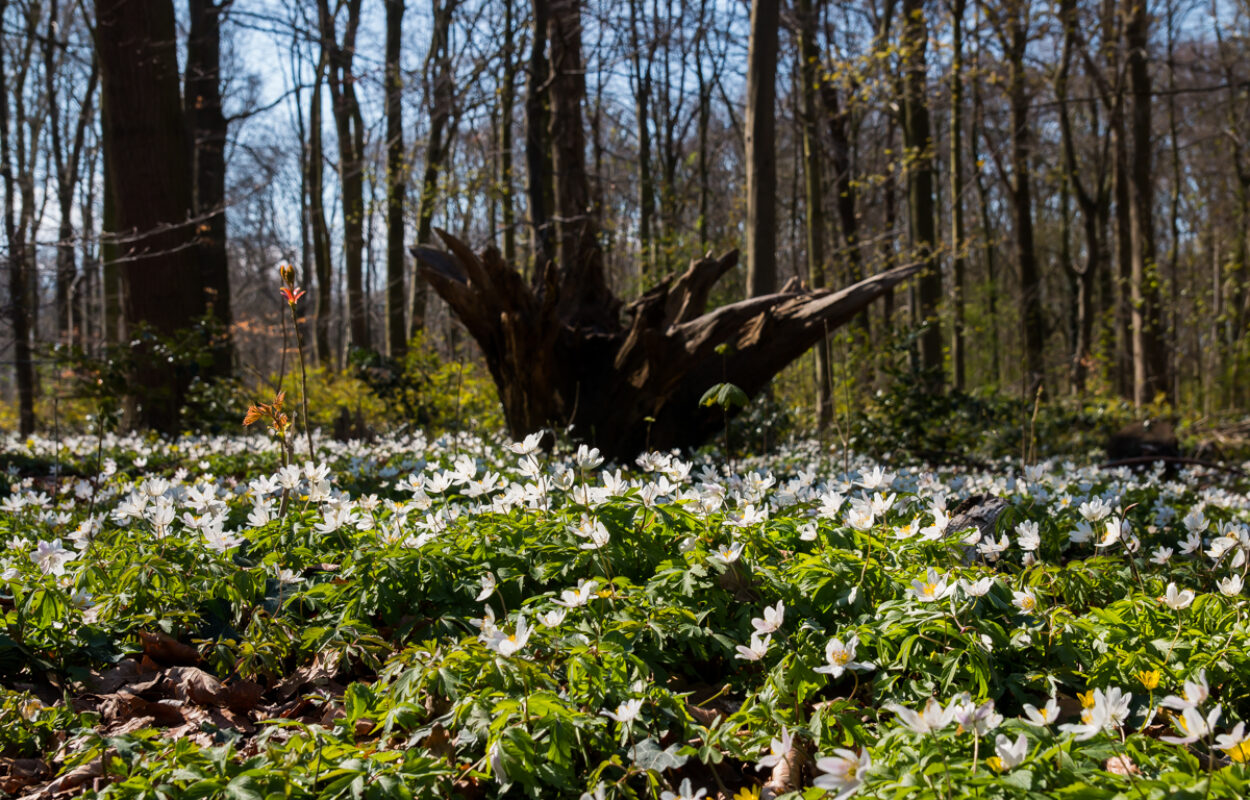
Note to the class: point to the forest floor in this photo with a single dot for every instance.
(473, 617)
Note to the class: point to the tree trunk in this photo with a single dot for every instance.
(761, 161)
(207, 127)
(584, 296)
(350, 134)
(641, 77)
(441, 97)
(18, 261)
(507, 99)
(317, 211)
(809, 80)
(540, 190)
(396, 184)
(918, 146)
(149, 154)
(627, 388)
(1015, 42)
(1149, 352)
(958, 260)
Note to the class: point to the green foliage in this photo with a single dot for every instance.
(426, 392)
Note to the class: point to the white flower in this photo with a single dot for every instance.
(684, 792)
(51, 557)
(626, 712)
(1010, 754)
(1192, 726)
(1235, 743)
(759, 646)
(1161, 555)
(1194, 693)
(980, 719)
(778, 749)
(774, 616)
(496, 764)
(876, 479)
(934, 718)
(1108, 711)
(1026, 601)
(1177, 600)
(1191, 543)
(594, 531)
(587, 457)
(1230, 586)
(1042, 717)
(1027, 535)
(508, 645)
(728, 553)
(220, 541)
(933, 587)
(991, 549)
(527, 447)
(1114, 529)
(843, 772)
(841, 657)
(488, 586)
(572, 598)
(977, 588)
(553, 618)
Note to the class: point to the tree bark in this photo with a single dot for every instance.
(958, 260)
(809, 81)
(317, 212)
(918, 144)
(396, 184)
(207, 128)
(1149, 351)
(507, 99)
(149, 161)
(349, 127)
(540, 191)
(761, 162)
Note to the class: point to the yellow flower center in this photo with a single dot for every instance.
(1087, 699)
(995, 763)
(841, 658)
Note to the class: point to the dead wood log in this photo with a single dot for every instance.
(629, 385)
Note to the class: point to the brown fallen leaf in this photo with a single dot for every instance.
(1121, 765)
(73, 780)
(194, 685)
(166, 649)
(785, 774)
(18, 773)
(124, 673)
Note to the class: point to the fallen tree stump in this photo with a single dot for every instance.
(562, 354)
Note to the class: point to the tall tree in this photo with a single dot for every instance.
(148, 151)
(1150, 365)
(761, 160)
(349, 127)
(207, 127)
(396, 182)
(540, 189)
(440, 94)
(959, 265)
(314, 168)
(18, 186)
(640, 76)
(918, 143)
(809, 83)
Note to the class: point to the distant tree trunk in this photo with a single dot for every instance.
(507, 99)
(809, 80)
(207, 127)
(18, 261)
(1015, 41)
(761, 161)
(987, 230)
(537, 140)
(146, 139)
(1149, 351)
(584, 299)
(705, 83)
(918, 144)
(641, 77)
(349, 127)
(396, 184)
(317, 211)
(441, 97)
(958, 260)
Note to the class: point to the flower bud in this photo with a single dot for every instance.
(287, 273)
